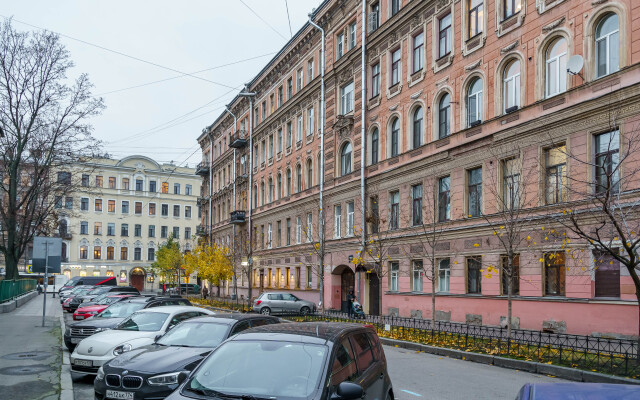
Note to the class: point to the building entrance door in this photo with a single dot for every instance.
(374, 294)
(137, 279)
(347, 282)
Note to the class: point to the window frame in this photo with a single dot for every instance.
(560, 61)
(607, 38)
(416, 204)
(396, 67)
(418, 53)
(444, 214)
(473, 263)
(445, 35)
(474, 189)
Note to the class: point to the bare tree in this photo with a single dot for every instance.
(45, 131)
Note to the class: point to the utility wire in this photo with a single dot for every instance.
(263, 20)
(120, 53)
(286, 3)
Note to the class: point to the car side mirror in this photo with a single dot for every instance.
(182, 376)
(349, 391)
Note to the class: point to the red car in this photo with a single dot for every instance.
(90, 311)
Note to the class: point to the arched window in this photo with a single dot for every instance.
(309, 173)
(556, 67)
(511, 83)
(375, 146)
(288, 181)
(607, 45)
(345, 159)
(444, 116)
(474, 102)
(279, 191)
(417, 128)
(298, 178)
(270, 190)
(395, 137)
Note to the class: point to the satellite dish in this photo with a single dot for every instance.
(575, 64)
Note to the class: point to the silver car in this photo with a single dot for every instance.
(282, 303)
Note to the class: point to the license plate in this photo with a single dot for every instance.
(79, 317)
(75, 340)
(83, 363)
(114, 394)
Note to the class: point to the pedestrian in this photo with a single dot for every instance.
(351, 298)
(205, 291)
(39, 288)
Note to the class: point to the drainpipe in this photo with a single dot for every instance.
(363, 138)
(250, 95)
(233, 226)
(322, 116)
(209, 233)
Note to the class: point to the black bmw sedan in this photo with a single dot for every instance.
(295, 361)
(151, 372)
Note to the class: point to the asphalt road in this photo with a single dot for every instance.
(421, 376)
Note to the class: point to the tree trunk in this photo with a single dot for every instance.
(321, 306)
(11, 266)
(509, 293)
(433, 293)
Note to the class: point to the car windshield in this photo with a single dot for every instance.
(120, 310)
(79, 290)
(143, 322)
(107, 300)
(262, 368)
(195, 334)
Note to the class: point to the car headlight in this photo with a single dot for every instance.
(123, 348)
(67, 331)
(91, 312)
(100, 375)
(164, 379)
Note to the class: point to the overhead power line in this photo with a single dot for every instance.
(286, 3)
(263, 20)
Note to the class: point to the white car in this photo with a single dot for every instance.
(140, 329)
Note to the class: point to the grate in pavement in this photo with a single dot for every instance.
(27, 355)
(25, 369)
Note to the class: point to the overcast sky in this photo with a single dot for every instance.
(162, 120)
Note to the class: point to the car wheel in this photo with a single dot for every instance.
(265, 311)
(389, 396)
(304, 310)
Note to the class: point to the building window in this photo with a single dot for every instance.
(337, 227)
(554, 274)
(416, 206)
(346, 99)
(310, 121)
(124, 230)
(111, 206)
(375, 145)
(474, 276)
(395, 137)
(152, 231)
(418, 52)
(340, 46)
(299, 130)
(299, 79)
(124, 253)
(395, 7)
(345, 159)
(396, 59)
(164, 232)
(511, 183)
(512, 7)
(352, 35)
(417, 128)
(444, 116)
(289, 88)
(309, 227)
(375, 214)
(607, 156)
(394, 210)
(607, 45)
(85, 180)
(607, 275)
(310, 70)
(298, 178)
(99, 181)
(474, 191)
(298, 230)
(289, 135)
(139, 185)
(417, 274)
(514, 272)
(164, 210)
(138, 207)
(65, 178)
(137, 230)
(165, 187)
(444, 199)
(394, 272)
(84, 204)
(137, 254)
(556, 67)
(555, 180)
(444, 272)
(151, 254)
(84, 250)
(288, 182)
(309, 180)
(474, 103)
(97, 228)
(97, 204)
(375, 80)
(309, 277)
(279, 140)
(288, 231)
(125, 183)
(97, 253)
(444, 36)
(350, 218)
(475, 17)
(152, 208)
(112, 182)
(176, 232)
(58, 202)
(374, 17)
(84, 228)
(511, 86)
(111, 229)
(110, 253)
(187, 233)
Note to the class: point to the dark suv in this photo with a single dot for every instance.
(98, 290)
(111, 316)
(306, 360)
(151, 372)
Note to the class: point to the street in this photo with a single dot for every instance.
(419, 375)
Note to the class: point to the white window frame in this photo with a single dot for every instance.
(607, 38)
(346, 98)
(353, 35)
(309, 227)
(340, 46)
(350, 217)
(300, 79)
(337, 226)
(394, 274)
(299, 129)
(298, 230)
(478, 95)
(417, 283)
(269, 236)
(559, 60)
(511, 86)
(444, 282)
(310, 121)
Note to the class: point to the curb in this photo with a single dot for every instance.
(14, 304)
(66, 384)
(557, 371)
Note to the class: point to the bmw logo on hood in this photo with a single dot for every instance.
(90, 349)
(125, 372)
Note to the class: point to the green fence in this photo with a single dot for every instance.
(9, 290)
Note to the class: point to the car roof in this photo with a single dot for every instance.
(173, 309)
(229, 318)
(310, 332)
(122, 295)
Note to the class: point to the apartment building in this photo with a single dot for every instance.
(121, 213)
(438, 119)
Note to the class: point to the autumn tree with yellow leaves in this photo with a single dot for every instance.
(210, 262)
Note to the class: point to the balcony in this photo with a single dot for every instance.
(237, 217)
(201, 230)
(202, 168)
(238, 141)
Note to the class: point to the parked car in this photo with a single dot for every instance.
(84, 312)
(89, 280)
(139, 329)
(578, 391)
(307, 360)
(282, 303)
(98, 290)
(78, 291)
(152, 371)
(113, 315)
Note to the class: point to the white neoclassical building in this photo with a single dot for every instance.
(129, 208)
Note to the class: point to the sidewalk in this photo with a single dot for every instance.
(31, 355)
